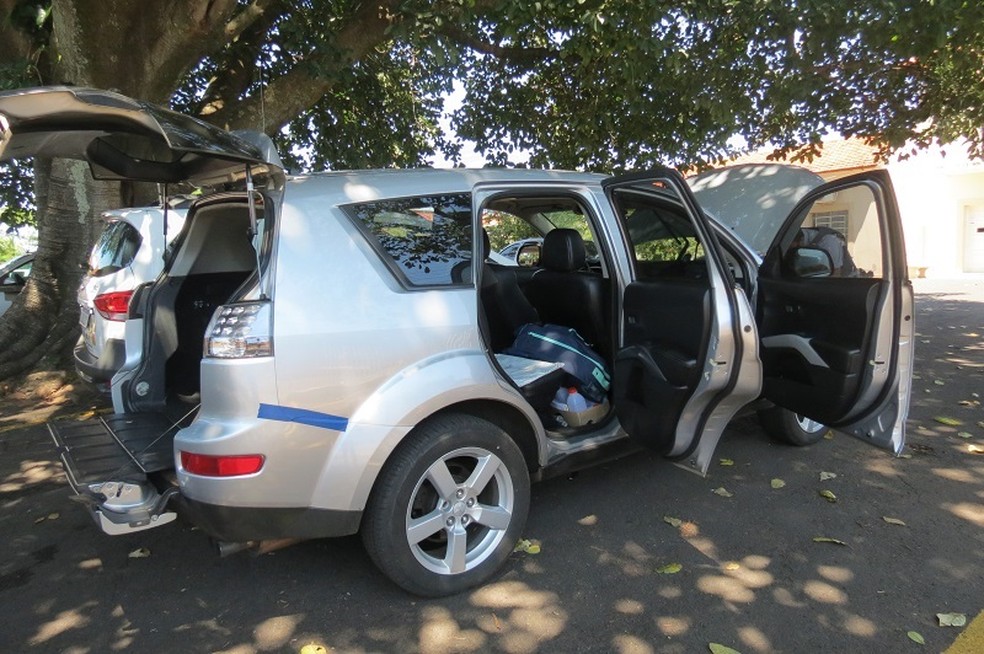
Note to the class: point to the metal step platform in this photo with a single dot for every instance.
(123, 447)
(107, 460)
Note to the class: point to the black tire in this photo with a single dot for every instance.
(792, 428)
(410, 524)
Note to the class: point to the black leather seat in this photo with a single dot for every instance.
(564, 294)
(506, 307)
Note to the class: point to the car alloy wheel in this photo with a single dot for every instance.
(448, 506)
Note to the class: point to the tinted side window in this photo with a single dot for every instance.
(664, 240)
(115, 248)
(425, 240)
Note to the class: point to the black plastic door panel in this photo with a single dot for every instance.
(834, 311)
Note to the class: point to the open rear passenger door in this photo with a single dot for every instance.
(835, 314)
(687, 329)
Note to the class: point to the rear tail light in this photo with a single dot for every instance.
(222, 466)
(240, 331)
(113, 306)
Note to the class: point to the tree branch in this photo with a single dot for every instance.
(515, 54)
(15, 44)
(289, 95)
(247, 17)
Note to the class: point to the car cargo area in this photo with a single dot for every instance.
(214, 259)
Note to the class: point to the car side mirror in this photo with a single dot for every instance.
(810, 262)
(13, 279)
(528, 255)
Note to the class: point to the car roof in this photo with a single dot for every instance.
(368, 185)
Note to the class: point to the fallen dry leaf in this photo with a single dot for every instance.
(673, 522)
(139, 553)
(824, 476)
(669, 569)
(975, 449)
(777, 483)
(732, 565)
(949, 422)
(916, 637)
(726, 462)
(718, 648)
(828, 495)
(894, 521)
(311, 648)
(825, 539)
(952, 619)
(722, 492)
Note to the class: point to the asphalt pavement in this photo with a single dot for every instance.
(615, 571)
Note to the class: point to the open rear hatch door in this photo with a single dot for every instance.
(126, 139)
(113, 462)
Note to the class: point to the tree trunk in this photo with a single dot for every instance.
(43, 320)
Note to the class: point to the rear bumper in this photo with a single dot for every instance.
(241, 524)
(100, 369)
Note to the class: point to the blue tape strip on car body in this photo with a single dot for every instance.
(302, 416)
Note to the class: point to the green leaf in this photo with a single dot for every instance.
(949, 422)
(916, 637)
(964, 434)
(669, 569)
(718, 648)
(951, 619)
(777, 483)
(828, 495)
(893, 521)
(726, 462)
(825, 539)
(723, 492)
(528, 546)
(673, 522)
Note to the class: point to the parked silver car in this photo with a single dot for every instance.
(326, 354)
(128, 252)
(13, 276)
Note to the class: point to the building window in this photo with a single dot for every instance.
(832, 219)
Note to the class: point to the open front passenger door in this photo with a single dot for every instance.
(835, 314)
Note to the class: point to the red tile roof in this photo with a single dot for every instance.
(836, 154)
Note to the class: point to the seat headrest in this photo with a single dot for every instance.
(563, 250)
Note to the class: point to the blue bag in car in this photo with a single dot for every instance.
(564, 345)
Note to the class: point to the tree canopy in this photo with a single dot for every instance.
(590, 84)
(595, 84)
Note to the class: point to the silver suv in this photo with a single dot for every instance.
(329, 354)
(129, 251)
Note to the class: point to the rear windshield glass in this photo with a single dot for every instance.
(115, 248)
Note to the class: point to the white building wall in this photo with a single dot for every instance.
(934, 193)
